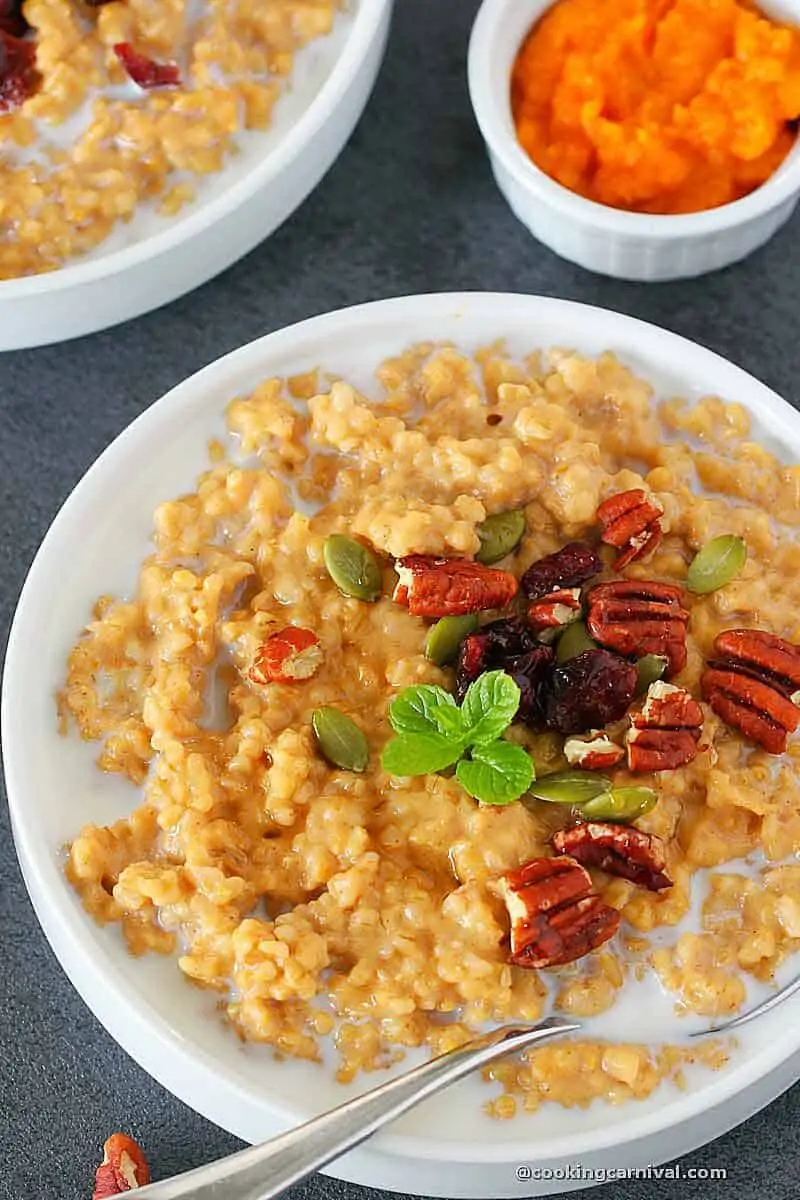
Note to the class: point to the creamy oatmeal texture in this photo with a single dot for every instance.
(316, 900)
(89, 147)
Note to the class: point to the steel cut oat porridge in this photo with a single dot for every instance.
(452, 748)
(107, 105)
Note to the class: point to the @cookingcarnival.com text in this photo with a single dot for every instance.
(577, 1171)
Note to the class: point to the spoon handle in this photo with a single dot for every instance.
(262, 1172)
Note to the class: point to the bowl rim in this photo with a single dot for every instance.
(148, 1037)
(365, 21)
(489, 96)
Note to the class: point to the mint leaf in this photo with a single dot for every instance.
(497, 774)
(419, 753)
(413, 711)
(450, 723)
(489, 707)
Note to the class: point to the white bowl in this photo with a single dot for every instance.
(153, 260)
(625, 245)
(449, 1147)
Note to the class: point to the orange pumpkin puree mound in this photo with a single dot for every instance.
(659, 106)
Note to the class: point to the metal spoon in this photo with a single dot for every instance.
(765, 1006)
(264, 1171)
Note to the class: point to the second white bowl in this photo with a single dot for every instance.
(626, 245)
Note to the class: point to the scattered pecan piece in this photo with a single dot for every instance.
(144, 71)
(569, 567)
(665, 733)
(631, 521)
(619, 849)
(753, 686)
(553, 611)
(19, 78)
(287, 656)
(589, 691)
(124, 1167)
(595, 752)
(555, 915)
(637, 617)
(450, 587)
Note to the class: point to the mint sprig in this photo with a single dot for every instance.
(434, 733)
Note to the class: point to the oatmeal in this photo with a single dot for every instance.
(129, 102)
(405, 815)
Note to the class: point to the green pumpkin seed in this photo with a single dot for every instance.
(573, 641)
(499, 535)
(570, 787)
(444, 638)
(620, 804)
(649, 669)
(352, 567)
(716, 564)
(340, 739)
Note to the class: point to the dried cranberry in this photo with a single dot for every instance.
(145, 71)
(491, 649)
(571, 566)
(18, 78)
(589, 691)
(532, 673)
(11, 19)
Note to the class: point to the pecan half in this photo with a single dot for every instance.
(619, 850)
(553, 611)
(753, 686)
(450, 587)
(124, 1167)
(555, 915)
(595, 752)
(631, 521)
(637, 617)
(665, 732)
(287, 656)
(571, 566)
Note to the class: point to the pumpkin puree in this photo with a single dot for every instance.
(660, 106)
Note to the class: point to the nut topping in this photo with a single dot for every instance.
(595, 752)
(637, 617)
(555, 915)
(290, 655)
(617, 849)
(631, 521)
(664, 735)
(124, 1167)
(569, 567)
(548, 616)
(753, 686)
(450, 587)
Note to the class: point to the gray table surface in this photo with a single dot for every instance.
(409, 207)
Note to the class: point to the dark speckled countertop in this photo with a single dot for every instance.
(409, 207)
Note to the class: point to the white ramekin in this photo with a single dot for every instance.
(607, 240)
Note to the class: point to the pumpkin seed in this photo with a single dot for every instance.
(444, 638)
(570, 787)
(649, 669)
(352, 567)
(717, 563)
(573, 641)
(499, 534)
(620, 804)
(340, 739)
